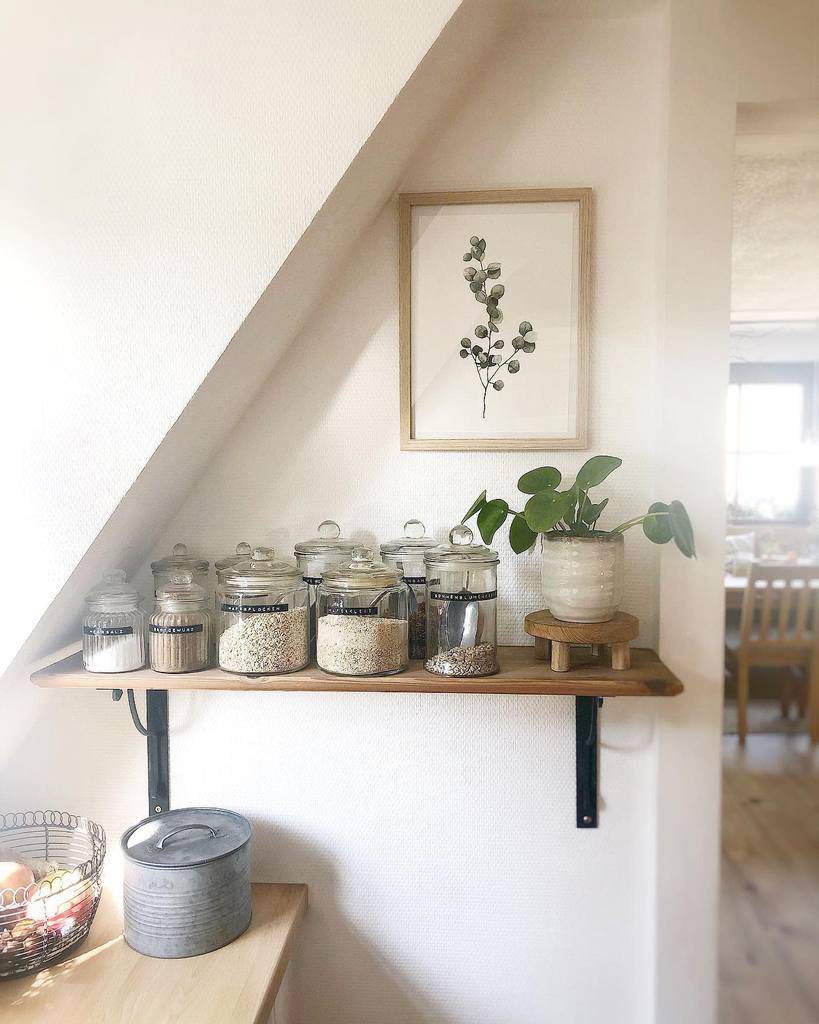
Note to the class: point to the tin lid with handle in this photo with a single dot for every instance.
(186, 837)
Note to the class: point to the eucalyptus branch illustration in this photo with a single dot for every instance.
(489, 363)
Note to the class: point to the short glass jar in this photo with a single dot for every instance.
(113, 630)
(315, 557)
(462, 602)
(180, 627)
(362, 613)
(179, 561)
(264, 621)
(406, 555)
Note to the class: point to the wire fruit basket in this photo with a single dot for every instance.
(46, 917)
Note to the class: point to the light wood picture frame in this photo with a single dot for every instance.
(537, 245)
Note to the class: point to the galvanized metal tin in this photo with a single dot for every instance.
(187, 881)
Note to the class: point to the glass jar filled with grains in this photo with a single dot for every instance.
(361, 615)
(406, 555)
(264, 622)
(315, 556)
(179, 629)
(179, 561)
(113, 630)
(462, 581)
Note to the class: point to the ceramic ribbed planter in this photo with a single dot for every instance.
(582, 576)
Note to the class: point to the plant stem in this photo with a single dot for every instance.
(634, 522)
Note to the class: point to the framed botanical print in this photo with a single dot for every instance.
(494, 296)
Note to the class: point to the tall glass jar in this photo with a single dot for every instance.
(406, 555)
(362, 619)
(179, 561)
(241, 554)
(316, 556)
(113, 630)
(264, 622)
(462, 594)
(179, 629)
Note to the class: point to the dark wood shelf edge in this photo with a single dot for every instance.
(521, 674)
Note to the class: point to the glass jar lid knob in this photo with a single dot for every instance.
(180, 550)
(243, 549)
(414, 529)
(461, 535)
(328, 529)
(362, 556)
(262, 554)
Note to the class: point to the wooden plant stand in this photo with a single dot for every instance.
(616, 633)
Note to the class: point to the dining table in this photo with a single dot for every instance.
(735, 583)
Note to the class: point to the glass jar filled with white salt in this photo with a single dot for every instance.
(179, 560)
(406, 555)
(361, 619)
(264, 620)
(113, 630)
(462, 598)
(315, 556)
(180, 627)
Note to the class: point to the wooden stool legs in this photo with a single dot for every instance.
(561, 656)
(620, 656)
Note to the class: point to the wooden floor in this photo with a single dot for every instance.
(769, 906)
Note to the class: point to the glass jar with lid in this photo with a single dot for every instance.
(179, 561)
(361, 613)
(180, 627)
(315, 556)
(113, 630)
(462, 581)
(264, 621)
(241, 554)
(406, 555)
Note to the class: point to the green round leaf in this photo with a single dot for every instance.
(480, 296)
(480, 330)
(498, 291)
(495, 313)
(525, 327)
(491, 517)
(497, 385)
(658, 528)
(467, 256)
(531, 338)
(545, 478)
(683, 530)
(498, 343)
(480, 275)
(466, 343)
(521, 538)
(517, 342)
(474, 286)
(474, 240)
(476, 350)
(513, 366)
(596, 470)
(493, 326)
(528, 346)
(469, 273)
(476, 506)
(545, 509)
(591, 512)
(463, 353)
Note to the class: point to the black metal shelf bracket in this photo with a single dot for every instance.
(156, 733)
(587, 764)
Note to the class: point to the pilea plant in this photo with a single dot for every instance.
(489, 362)
(571, 512)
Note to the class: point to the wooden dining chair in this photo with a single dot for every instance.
(779, 627)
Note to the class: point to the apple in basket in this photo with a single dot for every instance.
(64, 899)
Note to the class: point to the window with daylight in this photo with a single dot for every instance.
(769, 415)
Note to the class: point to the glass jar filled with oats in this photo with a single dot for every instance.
(362, 619)
(406, 555)
(264, 623)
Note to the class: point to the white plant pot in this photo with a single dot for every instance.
(582, 576)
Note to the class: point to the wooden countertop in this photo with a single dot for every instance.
(106, 982)
(520, 673)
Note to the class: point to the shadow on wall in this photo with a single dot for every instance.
(339, 976)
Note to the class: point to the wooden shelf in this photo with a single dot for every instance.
(520, 674)
(106, 982)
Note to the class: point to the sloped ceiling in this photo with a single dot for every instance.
(160, 163)
(173, 462)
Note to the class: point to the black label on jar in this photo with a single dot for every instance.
(415, 581)
(352, 611)
(312, 581)
(253, 609)
(486, 595)
(196, 628)
(108, 630)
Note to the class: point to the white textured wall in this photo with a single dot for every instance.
(448, 882)
(159, 162)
